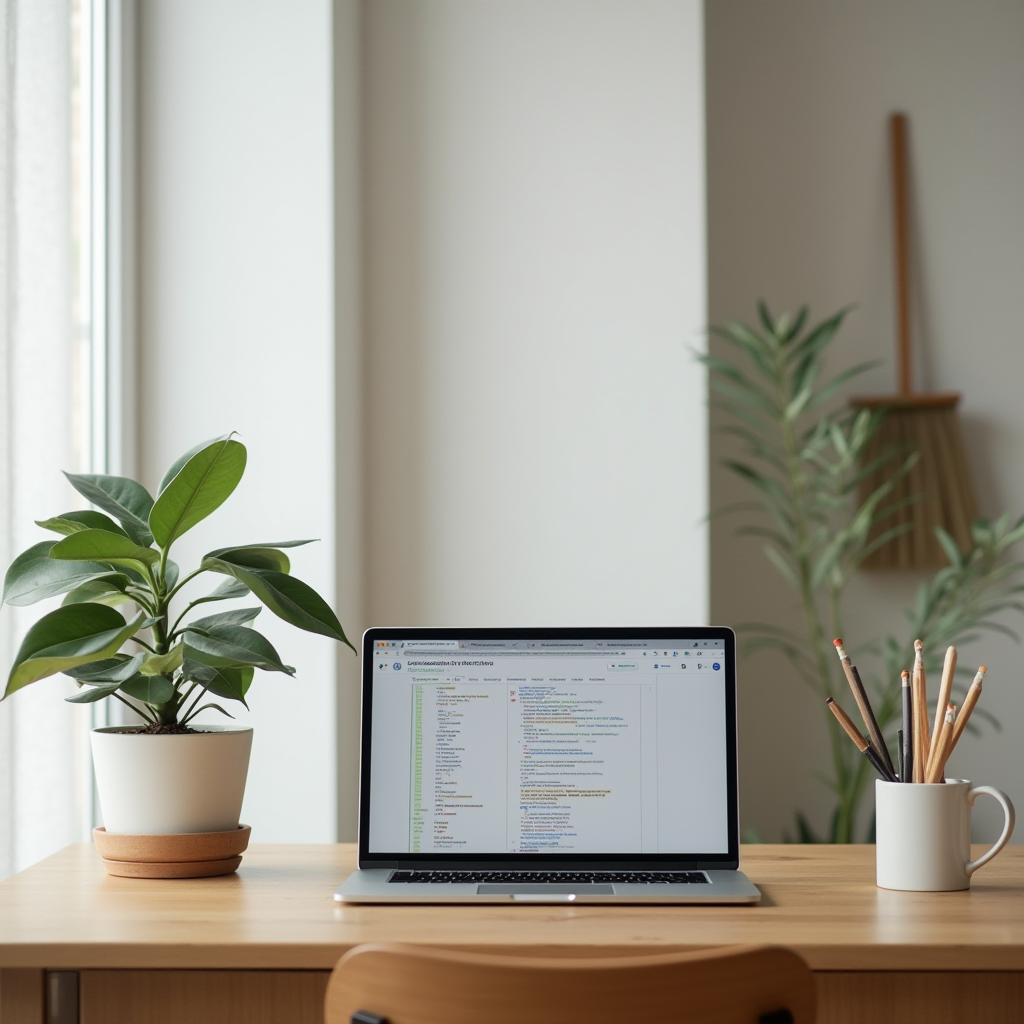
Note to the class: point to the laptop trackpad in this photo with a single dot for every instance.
(555, 888)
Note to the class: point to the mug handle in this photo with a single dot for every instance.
(1008, 823)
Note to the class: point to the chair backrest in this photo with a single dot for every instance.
(411, 985)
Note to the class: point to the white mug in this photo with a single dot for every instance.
(923, 834)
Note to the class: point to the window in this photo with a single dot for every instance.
(53, 375)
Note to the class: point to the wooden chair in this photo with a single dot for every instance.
(404, 984)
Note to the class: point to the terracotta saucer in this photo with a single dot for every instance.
(183, 855)
(175, 869)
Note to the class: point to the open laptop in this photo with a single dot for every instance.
(548, 765)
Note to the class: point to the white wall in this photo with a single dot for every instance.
(534, 204)
(515, 192)
(236, 222)
(799, 207)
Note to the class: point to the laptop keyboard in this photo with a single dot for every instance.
(535, 877)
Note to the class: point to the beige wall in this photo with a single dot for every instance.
(798, 92)
(534, 268)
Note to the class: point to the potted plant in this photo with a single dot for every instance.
(125, 631)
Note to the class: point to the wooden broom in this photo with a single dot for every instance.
(939, 486)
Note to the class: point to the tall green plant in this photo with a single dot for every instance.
(120, 557)
(806, 459)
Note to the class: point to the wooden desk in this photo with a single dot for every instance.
(258, 946)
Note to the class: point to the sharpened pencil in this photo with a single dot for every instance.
(941, 746)
(968, 705)
(860, 695)
(863, 746)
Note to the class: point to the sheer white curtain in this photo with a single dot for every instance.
(44, 791)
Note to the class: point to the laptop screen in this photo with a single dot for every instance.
(564, 746)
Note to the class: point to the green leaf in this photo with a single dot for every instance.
(127, 501)
(93, 693)
(78, 520)
(162, 664)
(100, 546)
(232, 683)
(818, 338)
(111, 670)
(181, 460)
(200, 486)
(235, 617)
(216, 707)
(149, 689)
(35, 576)
(227, 591)
(950, 548)
(253, 557)
(834, 386)
(781, 564)
(171, 573)
(109, 591)
(66, 638)
(288, 598)
(260, 556)
(798, 324)
(237, 645)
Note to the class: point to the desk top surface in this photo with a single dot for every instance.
(278, 912)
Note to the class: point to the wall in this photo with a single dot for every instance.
(441, 264)
(798, 93)
(237, 332)
(535, 423)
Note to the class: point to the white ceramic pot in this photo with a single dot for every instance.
(163, 785)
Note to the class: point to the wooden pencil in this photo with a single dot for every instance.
(860, 695)
(945, 689)
(945, 692)
(968, 705)
(922, 741)
(863, 746)
(941, 746)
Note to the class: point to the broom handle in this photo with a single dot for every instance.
(898, 126)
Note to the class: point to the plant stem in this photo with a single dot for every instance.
(199, 697)
(181, 583)
(144, 709)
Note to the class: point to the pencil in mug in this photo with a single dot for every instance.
(945, 693)
(906, 734)
(942, 744)
(921, 739)
(862, 744)
(861, 697)
(968, 705)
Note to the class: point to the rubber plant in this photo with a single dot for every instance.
(120, 631)
(805, 457)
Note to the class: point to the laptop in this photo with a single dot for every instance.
(548, 766)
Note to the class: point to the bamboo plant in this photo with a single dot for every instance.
(158, 657)
(806, 459)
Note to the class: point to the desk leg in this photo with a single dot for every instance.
(22, 996)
